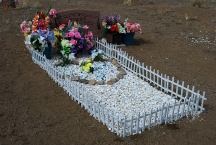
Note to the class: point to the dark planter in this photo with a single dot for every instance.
(111, 37)
(128, 38)
(48, 51)
(117, 38)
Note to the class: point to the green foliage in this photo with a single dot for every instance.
(99, 57)
(35, 41)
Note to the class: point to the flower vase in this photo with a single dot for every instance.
(48, 51)
(128, 38)
(117, 38)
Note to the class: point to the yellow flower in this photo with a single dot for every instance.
(87, 66)
(88, 60)
(57, 33)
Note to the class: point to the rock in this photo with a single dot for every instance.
(84, 81)
(114, 62)
(117, 79)
(118, 65)
(112, 81)
(120, 76)
(76, 62)
(92, 82)
(75, 78)
(100, 82)
(122, 71)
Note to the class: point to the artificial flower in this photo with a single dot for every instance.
(73, 42)
(86, 65)
(85, 27)
(114, 28)
(77, 35)
(70, 34)
(65, 43)
(25, 27)
(53, 13)
(57, 33)
(62, 26)
(75, 24)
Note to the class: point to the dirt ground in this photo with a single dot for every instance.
(177, 39)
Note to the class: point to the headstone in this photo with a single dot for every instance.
(83, 17)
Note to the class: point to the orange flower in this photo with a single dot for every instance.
(36, 17)
(34, 28)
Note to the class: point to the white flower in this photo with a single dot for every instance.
(28, 38)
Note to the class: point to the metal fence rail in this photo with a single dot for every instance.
(189, 102)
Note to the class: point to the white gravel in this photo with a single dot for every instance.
(127, 97)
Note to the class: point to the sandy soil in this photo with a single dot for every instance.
(34, 110)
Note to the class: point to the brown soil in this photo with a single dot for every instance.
(34, 110)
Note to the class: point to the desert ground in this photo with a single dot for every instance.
(177, 38)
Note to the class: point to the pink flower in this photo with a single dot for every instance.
(132, 27)
(61, 27)
(90, 35)
(75, 30)
(85, 27)
(73, 42)
(77, 35)
(70, 34)
(25, 27)
(53, 12)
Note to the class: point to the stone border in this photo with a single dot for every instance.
(119, 76)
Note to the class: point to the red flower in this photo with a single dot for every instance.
(114, 28)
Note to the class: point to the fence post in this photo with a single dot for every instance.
(124, 134)
(131, 127)
(150, 117)
(173, 79)
(137, 123)
(173, 112)
(161, 117)
(144, 119)
(202, 102)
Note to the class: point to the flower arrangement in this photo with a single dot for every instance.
(114, 24)
(81, 39)
(40, 22)
(76, 40)
(110, 23)
(72, 40)
(120, 31)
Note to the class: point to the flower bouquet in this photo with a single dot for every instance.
(38, 33)
(110, 26)
(77, 40)
(131, 29)
(122, 32)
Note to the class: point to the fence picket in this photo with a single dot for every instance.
(137, 123)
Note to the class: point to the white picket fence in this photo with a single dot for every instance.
(188, 101)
